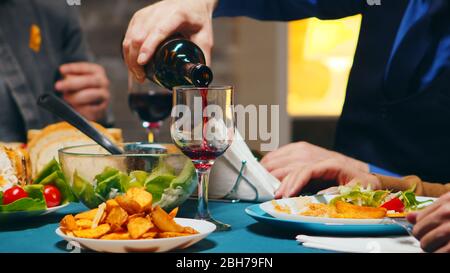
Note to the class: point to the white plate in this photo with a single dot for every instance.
(290, 202)
(145, 245)
(15, 215)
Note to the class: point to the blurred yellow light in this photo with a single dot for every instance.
(320, 56)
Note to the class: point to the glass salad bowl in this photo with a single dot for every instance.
(95, 176)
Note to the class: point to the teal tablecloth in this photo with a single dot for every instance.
(247, 235)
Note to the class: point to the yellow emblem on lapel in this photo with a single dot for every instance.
(35, 38)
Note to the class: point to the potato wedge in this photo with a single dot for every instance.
(129, 205)
(68, 223)
(142, 197)
(138, 226)
(172, 234)
(116, 218)
(116, 236)
(84, 223)
(93, 233)
(164, 222)
(127, 217)
(110, 204)
(347, 210)
(190, 230)
(137, 215)
(149, 235)
(88, 215)
(173, 213)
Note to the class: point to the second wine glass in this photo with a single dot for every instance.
(203, 128)
(150, 103)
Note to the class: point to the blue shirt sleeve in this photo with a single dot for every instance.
(288, 10)
(378, 170)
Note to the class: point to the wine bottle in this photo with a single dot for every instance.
(176, 62)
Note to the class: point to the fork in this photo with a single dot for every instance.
(407, 227)
(320, 196)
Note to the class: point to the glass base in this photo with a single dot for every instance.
(219, 225)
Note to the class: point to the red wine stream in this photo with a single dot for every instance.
(204, 152)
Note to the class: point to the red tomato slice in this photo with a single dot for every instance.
(13, 194)
(394, 204)
(52, 196)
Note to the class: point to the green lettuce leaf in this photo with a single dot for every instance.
(52, 174)
(359, 196)
(110, 182)
(410, 201)
(48, 169)
(85, 192)
(136, 179)
(157, 184)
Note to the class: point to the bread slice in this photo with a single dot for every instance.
(43, 145)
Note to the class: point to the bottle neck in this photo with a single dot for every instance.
(198, 75)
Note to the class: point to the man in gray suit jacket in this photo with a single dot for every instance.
(42, 50)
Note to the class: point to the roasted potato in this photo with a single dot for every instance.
(138, 226)
(149, 235)
(84, 223)
(110, 204)
(164, 222)
(173, 213)
(116, 217)
(116, 236)
(88, 215)
(347, 210)
(93, 233)
(68, 223)
(142, 197)
(172, 234)
(128, 216)
(129, 205)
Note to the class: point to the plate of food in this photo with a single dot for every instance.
(32, 182)
(21, 196)
(130, 223)
(354, 210)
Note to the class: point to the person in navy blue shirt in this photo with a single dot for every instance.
(397, 107)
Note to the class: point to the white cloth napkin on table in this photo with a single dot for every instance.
(256, 183)
(401, 244)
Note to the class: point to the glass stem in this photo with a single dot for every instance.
(202, 207)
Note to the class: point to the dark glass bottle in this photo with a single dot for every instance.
(178, 61)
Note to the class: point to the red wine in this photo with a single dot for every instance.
(151, 106)
(178, 62)
(203, 157)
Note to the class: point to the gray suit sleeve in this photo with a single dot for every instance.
(76, 49)
(75, 45)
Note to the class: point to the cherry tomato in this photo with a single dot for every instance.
(394, 204)
(52, 196)
(13, 194)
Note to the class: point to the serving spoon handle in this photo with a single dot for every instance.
(58, 107)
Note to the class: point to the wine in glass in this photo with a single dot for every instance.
(150, 103)
(203, 128)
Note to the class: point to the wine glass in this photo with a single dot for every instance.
(151, 103)
(203, 128)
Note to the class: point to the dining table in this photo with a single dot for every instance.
(37, 234)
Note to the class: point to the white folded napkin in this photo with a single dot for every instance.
(401, 244)
(255, 184)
